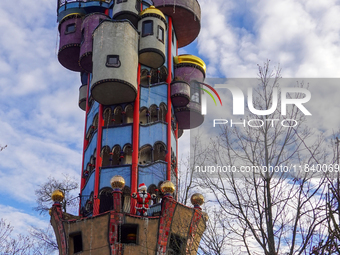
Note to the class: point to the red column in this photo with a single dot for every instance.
(135, 145)
(168, 115)
(83, 180)
(98, 160)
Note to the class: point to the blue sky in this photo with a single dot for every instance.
(41, 123)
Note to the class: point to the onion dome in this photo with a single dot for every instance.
(117, 182)
(152, 10)
(190, 59)
(57, 196)
(167, 188)
(197, 199)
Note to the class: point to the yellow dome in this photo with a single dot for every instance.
(117, 182)
(197, 199)
(57, 196)
(154, 10)
(190, 59)
(167, 187)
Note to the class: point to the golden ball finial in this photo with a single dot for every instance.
(117, 182)
(197, 199)
(167, 187)
(57, 196)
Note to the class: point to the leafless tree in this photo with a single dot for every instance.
(14, 245)
(45, 238)
(268, 212)
(44, 192)
(2, 147)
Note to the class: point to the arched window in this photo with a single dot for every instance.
(145, 77)
(115, 155)
(105, 154)
(107, 117)
(126, 199)
(162, 112)
(159, 151)
(106, 200)
(129, 114)
(95, 122)
(163, 74)
(153, 113)
(154, 75)
(127, 155)
(93, 161)
(118, 115)
(145, 155)
(143, 116)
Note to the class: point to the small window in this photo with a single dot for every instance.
(128, 233)
(160, 35)
(121, 1)
(195, 92)
(147, 28)
(173, 37)
(77, 242)
(138, 5)
(112, 61)
(70, 28)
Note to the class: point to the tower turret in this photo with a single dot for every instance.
(138, 96)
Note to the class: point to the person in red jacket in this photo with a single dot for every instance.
(143, 198)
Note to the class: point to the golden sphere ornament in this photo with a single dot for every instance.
(167, 188)
(57, 196)
(197, 199)
(117, 182)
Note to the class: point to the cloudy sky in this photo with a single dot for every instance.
(40, 121)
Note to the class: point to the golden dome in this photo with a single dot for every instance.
(190, 59)
(197, 199)
(117, 182)
(57, 196)
(154, 10)
(167, 187)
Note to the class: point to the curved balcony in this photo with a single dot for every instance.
(186, 18)
(66, 7)
(189, 116)
(180, 93)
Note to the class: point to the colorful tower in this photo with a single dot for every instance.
(138, 97)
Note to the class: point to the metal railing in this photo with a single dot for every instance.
(63, 2)
(155, 210)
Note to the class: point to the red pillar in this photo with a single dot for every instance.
(98, 160)
(135, 145)
(168, 115)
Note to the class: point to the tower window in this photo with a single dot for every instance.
(195, 92)
(128, 233)
(112, 61)
(160, 35)
(70, 28)
(147, 28)
(77, 242)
